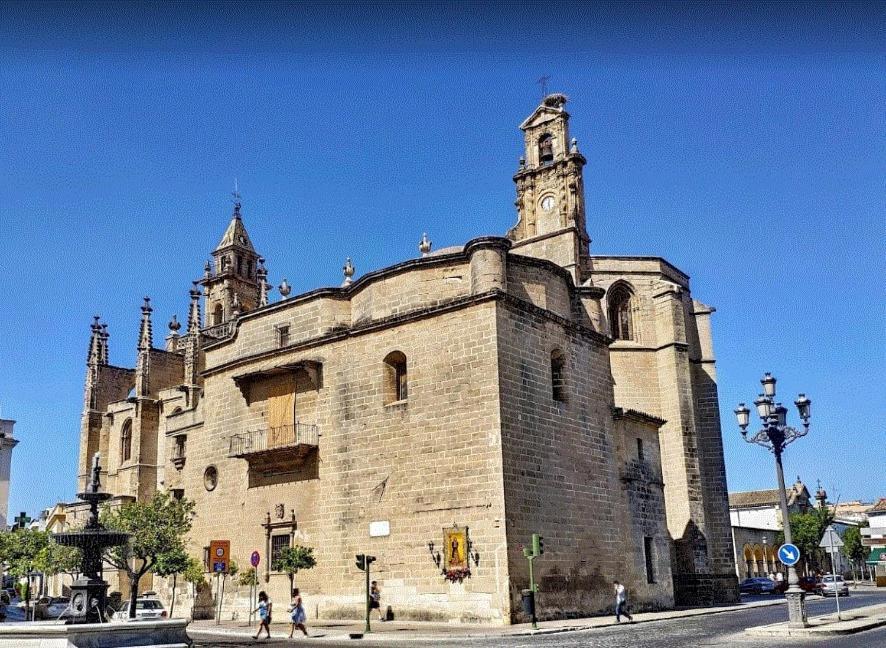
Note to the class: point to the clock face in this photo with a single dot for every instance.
(547, 203)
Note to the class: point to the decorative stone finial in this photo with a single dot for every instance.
(261, 274)
(573, 146)
(194, 318)
(174, 324)
(207, 271)
(522, 162)
(285, 288)
(348, 270)
(95, 342)
(424, 246)
(235, 307)
(145, 337)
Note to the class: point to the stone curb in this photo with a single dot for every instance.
(423, 635)
(850, 626)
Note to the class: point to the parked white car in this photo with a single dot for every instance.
(146, 609)
(833, 586)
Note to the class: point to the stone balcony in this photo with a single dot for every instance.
(288, 444)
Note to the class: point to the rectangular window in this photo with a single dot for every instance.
(178, 493)
(640, 456)
(650, 564)
(180, 446)
(283, 335)
(278, 543)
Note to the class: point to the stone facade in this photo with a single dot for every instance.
(478, 388)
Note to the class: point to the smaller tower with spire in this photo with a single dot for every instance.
(235, 285)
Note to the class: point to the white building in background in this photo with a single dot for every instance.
(874, 538)
(756, 522)
(7, 443)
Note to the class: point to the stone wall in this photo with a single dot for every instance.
(561, 466)
(422, 464)
(668, 370)
(644, 512)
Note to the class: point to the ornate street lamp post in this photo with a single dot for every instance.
(774, 436)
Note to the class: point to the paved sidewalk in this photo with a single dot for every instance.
(851, 621)
(426, 631)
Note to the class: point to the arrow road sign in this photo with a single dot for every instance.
(830, 539)
(788, 554)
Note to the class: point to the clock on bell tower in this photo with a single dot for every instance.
(550, 190)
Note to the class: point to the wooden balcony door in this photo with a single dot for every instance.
(281, 410)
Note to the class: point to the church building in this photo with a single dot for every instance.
(435, 414)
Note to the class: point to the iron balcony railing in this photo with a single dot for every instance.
(274, 438)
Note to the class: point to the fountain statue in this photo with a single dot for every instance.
(87, 628)
(89, 592)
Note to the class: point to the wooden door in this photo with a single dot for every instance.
(281, 410)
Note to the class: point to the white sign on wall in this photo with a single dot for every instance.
(379, 529)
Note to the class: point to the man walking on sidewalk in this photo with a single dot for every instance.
(621, 602)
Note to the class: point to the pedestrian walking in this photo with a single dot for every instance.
(264, 614)
(297, 614)
(621, 602)
(375, 599)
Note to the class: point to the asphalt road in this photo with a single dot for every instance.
(723, 630)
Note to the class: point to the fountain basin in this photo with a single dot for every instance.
(171, 633)
(99, 538)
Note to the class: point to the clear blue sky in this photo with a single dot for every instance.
(744, 144)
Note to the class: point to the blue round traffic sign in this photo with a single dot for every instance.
(788, 554)
(254, 558)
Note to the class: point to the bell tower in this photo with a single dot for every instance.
(234, 286)
(550, 189)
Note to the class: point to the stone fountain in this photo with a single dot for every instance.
(89, 592)
(87, 627)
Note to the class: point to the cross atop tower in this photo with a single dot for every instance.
(543, 82)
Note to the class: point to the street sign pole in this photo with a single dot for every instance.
(831, 540)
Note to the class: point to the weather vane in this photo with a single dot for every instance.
(543, 82)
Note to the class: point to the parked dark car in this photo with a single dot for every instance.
(809, 584)
(759, 585)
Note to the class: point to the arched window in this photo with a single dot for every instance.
(396, 380)
(218, 314)
(620, 301)
(558, 375)
(546, 149)
(126, 441)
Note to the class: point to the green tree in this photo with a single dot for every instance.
(195, 575)
(172, 563)
(292, 559)
(807, 530)
(157, 528)
(20, 551)
(853, 549)
(247, 577)
(58, 559)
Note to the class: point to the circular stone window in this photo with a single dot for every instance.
(210, 478)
